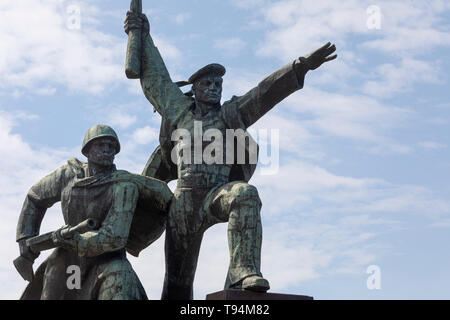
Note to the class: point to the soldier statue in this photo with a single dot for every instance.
(210, 193)
(130, 213)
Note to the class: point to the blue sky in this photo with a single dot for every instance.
(364, 166)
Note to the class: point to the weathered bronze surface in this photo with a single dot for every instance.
(230, 294)
(130, 211)
(210, 193)
(133, 59)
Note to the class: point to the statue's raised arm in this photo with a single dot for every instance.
(280, 84)
(158, 87)
(214, 188)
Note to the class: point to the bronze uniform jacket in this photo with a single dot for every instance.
(130, 208)
(238, 113)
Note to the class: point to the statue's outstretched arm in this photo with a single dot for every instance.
(280, 84)
(156, 83)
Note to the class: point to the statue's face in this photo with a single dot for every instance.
(208, 89)
(102, 151)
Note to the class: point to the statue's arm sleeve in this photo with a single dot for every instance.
(270, 91)
(113, 232)
(163, 94)
(40, 197)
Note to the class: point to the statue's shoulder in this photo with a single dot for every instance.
(75, 167)
(231, 114)
(124, 175)
(231, 103)
(75, 163)
(140, 180)
(148, 187)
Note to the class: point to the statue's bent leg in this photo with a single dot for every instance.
(181, 263)
(55, 276)
(118, 281)
(239, 203)
(182, 247)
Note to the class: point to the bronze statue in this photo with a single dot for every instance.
(110, 212)
(210, 193)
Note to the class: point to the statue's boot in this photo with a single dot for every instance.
(244, 241)
(255, 283)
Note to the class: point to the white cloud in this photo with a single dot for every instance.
(334, 222)
(387, 147)
(19, 162)
(249, 4)
(349, 116)
(443, 105)
(431, 145)
(145, 135)
(167, 50)
(42, 51)
(239, 82)
(414, 27)
(438, 121)
(410, 27)
(20, 167)
(120, 118)
(400, 77)
(181, 18)
(311, 24)
(443, 223)
(408, 31)
(294, 135)
(46, 91)
(230, 46)
(299, 185)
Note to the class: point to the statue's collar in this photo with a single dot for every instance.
(92, 172)
(197, 111)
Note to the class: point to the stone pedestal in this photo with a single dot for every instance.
(231, 294)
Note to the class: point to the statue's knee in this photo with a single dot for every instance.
(249, 191)
(245, 192)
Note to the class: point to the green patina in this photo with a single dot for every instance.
(207, 194)
(130, 210)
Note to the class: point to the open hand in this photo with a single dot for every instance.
(316, 58)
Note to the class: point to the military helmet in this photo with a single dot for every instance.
(96, 132)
